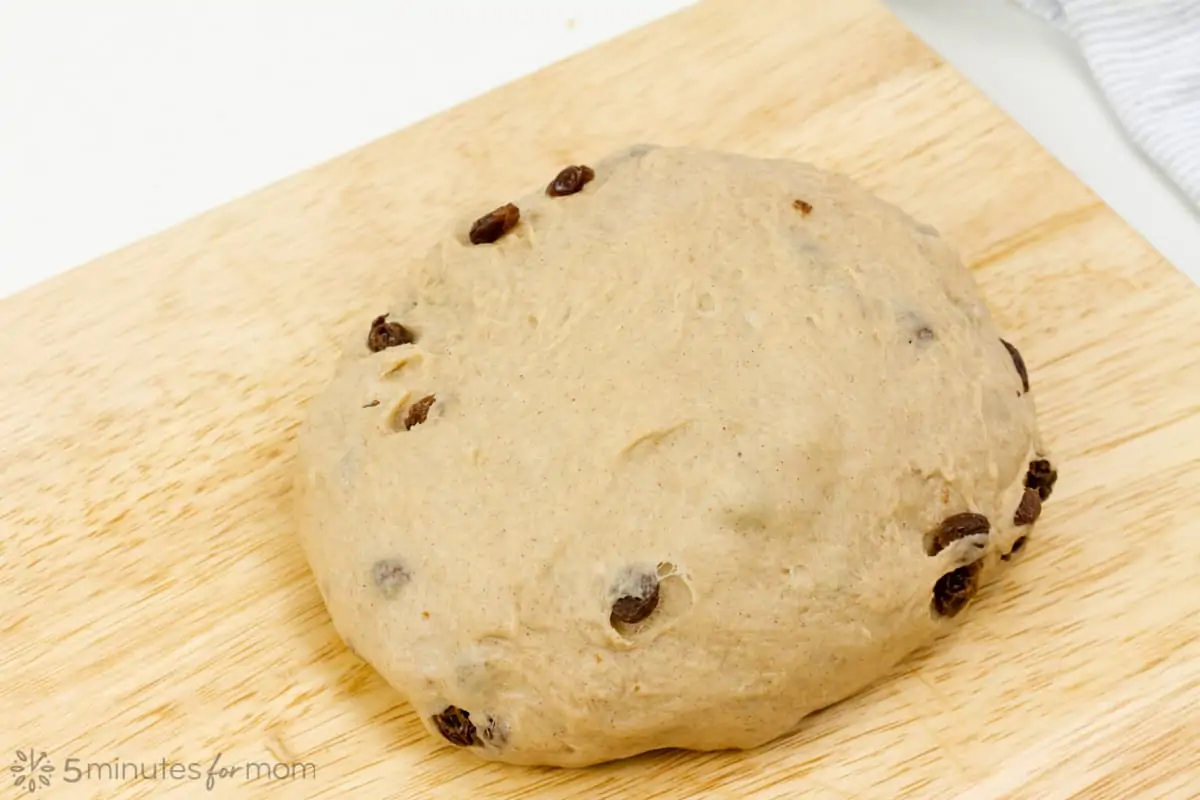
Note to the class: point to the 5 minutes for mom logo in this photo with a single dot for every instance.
(34, 770)
(31, 770)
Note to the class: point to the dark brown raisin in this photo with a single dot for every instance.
(956, 527)
(803, 207)
(384, 334)
(632, 608)
(1041, 476)
(1016, 546)
(569, 181)
(494, 224)
(418, 411)
(955, 589)
(389, 576)
(1029, 509)
(1019, 363)
(455, 725)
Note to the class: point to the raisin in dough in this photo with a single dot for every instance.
(713, 442)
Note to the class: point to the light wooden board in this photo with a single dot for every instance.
(155, 604)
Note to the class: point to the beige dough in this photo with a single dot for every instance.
(746, 388)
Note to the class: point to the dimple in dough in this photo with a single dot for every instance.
(748, 389)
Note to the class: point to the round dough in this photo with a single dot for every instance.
(747, 389)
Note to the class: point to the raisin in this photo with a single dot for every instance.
(803, 207)
(418, 412)
(632, 608)
(1019, 363)
(1016, 546)
(389, 576)
(1029, 509)
(494, 224)
(955, 589)
(956, 527)
(569, 181)
(386, 334)
(1041, 476)
(455, 725)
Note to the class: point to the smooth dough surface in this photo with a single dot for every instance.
(748, 382)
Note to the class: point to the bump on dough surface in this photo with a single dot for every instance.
(673, 372)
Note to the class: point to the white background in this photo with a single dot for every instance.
(121, 118)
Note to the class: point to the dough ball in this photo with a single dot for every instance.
(672, 452)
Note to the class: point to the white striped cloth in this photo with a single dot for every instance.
(1145, 57)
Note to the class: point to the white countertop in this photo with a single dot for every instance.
(120, 119)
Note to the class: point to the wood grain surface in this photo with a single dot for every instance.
(155, 605)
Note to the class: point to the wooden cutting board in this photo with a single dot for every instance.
(155, 605)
